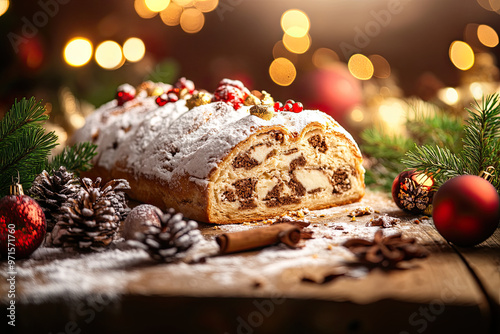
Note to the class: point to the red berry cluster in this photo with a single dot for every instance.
(233, 92)
(173, 95)
(184, 83)
(125, 93)
(170, 96)
(290, 105)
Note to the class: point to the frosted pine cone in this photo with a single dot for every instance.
(168, 243)
(51, 192)
(89, 221)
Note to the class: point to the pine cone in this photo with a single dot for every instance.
(90, 220)
(51, 192)
(168, 243)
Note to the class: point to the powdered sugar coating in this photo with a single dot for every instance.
(166, 143)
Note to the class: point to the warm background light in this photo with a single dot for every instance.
(381, 67)
(360, 67)
(143, 10)
(192, 20)
(487, 35)
(157, 5)
(206, 6)
(184, 3)
(171, 16)
(134, 49)
(324, 57)
(297, 44)
(109, 55)
(4, 5)
(448, 95)
(295, 23)
(78, 51)
(461, 55)
(282, 71)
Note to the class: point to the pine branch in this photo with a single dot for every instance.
(25, 156)
(75, 158)
(22, 115)
(482, 135)
(441, 163)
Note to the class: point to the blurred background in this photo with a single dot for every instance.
(358, 60)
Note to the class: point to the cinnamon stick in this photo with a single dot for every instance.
(258, 237)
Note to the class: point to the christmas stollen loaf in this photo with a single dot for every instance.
(220, 162)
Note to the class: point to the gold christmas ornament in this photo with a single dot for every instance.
(184, 94)
(263, 111)
(149, 88)
(251, 100)
(266, 98)
(198, 99)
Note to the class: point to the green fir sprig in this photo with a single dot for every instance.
(25, 146)
(481, 147)
(75, 158)
(425, 124)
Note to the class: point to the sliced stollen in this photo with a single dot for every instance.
(220, 165)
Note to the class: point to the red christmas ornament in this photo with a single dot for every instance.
(466, 210)
(412, 191)
(22, 224)
(124, 93)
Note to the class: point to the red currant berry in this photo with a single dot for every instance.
(288, 107)
(290, 101)
(297, 107)
(172, 97)
(125, 93)
(278, 106)
(184, 83)
(162, 100)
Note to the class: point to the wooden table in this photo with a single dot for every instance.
(273, 290)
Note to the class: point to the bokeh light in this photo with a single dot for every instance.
(461, 55)
(487, 35)
(360, 67)
(78, 51)
(392, 113)
(184, 3)
(476, 90)
(324, 57)
(381, 67)
(157, 5)
(357, 115)
(171, 16)
(143, 10)
(109, 55)
(206, 6)
(192, 20)
(282, 71)
(134, 49)
(297, 45)
(295, 23)
(4, 5)
(449, 95)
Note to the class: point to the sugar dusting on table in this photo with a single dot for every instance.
(51, 273)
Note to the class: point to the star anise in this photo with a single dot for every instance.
(386, 251)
